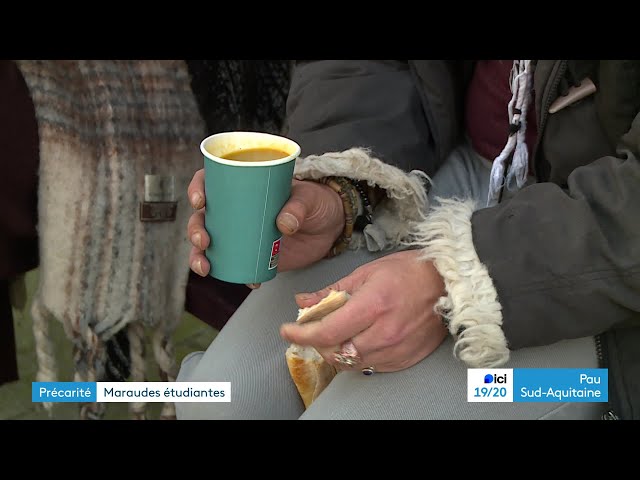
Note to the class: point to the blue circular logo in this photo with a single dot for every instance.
(488, 378)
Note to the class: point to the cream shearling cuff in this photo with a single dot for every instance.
(471, 308)
(406, 199)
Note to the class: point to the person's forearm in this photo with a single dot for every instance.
(547, 265)
(569, 263)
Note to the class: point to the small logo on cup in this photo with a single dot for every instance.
(275, 254)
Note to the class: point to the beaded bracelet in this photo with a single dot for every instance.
(348, 195)
(366, 217)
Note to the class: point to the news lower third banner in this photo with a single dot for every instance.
(130, 392)
(537, 385)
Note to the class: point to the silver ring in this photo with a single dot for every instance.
(369, 370)
(348, 355)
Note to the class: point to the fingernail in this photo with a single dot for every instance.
(304, 296)
(196, 200)
(284, 332)
(196, 266)
(289, 222)
(196, 239)
(253, 286)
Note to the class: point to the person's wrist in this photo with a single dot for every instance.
(364, 216)
(348, 197)
(429, 271)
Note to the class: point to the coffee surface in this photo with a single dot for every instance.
(255, 155)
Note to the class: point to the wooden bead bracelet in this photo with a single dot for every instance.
(348, 194)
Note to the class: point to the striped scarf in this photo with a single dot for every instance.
(103, 126)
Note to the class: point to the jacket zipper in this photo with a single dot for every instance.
(559, 73)
(609, 413)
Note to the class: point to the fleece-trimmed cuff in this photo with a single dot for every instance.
(471, 308)
(406, 200)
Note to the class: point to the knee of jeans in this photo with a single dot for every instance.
(188, 365)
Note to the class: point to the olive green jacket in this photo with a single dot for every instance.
(564, 254)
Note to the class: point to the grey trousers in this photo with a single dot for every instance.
(250, 354)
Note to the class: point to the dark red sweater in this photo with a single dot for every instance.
(486, 117)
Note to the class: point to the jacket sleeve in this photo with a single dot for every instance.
(364, 119)
(335, 105)
(547, 265)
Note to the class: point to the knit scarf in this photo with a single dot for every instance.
(104, 126)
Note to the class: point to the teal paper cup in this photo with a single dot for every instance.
(243, 199)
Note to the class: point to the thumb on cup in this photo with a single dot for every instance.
(288, 223)
(294, 211)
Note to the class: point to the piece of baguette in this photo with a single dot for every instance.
(309, 371)
(324, 307)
